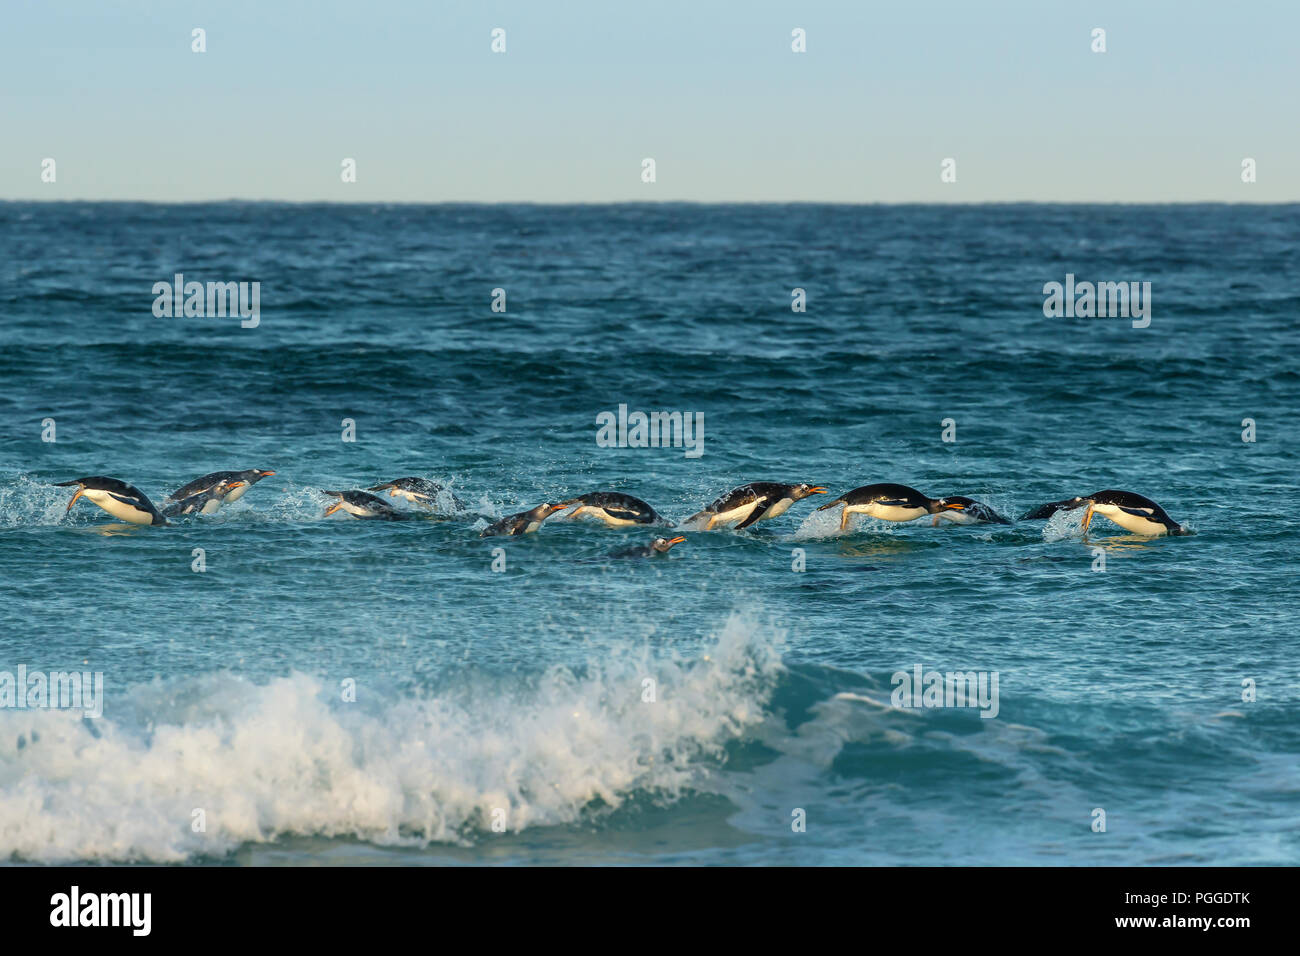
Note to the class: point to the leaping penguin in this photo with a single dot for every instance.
(205, 502)
(245, 479)
(419, 491)
(362, 504)
(116, 497)
(756, 501)
(614, 508)
(891, 502)
(1132, 512)
(657, 546)
(963, 510)
(525, 522)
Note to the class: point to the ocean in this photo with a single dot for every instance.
(279, 687)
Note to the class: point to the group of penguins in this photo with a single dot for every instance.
(739, 508)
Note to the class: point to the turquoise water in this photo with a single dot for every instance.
(519, 697)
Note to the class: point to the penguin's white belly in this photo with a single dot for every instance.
(603, 515)
(958, 517)
(532, 526)
(891, 512)
(780, 508)
(232, 496)
(735, 515)
(355, 510)
(119, 509)
(1130, 522)
(211, 506)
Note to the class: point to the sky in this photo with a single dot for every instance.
(711, 90)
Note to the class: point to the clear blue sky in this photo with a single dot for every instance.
(709, 89)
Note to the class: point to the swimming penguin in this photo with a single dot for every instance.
(756, 501)
(246, 480)
(1130, 511)
(116, 497)
(419, 491)
(614, 508)
(205, 502)
(525, 522)
(963, 510)
(362, 504)
(657, 546)
(890, 502)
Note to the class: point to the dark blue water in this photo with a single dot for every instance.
(506, 716)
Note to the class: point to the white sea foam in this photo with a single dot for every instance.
(25, 501)
(289, 757)
(826, 524)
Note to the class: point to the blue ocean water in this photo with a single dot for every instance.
(711, 706)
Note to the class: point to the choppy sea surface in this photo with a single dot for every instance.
(711, 706)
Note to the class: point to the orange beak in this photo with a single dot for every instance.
(677, 540)
(266, 474)
(819, 490)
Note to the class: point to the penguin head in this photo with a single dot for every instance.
(952, 503)
(662, 545)
(545, 510)
(80, 484)
(801, 491)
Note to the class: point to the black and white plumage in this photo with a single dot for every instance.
(614, 508)
(657, 546)
(891, 502)
(205, 502)
(224, 482)
(756, 501)
(963, 510)
(362, 504)
(116, 497)
(524, 522)
(1131, 511)
(422, 492)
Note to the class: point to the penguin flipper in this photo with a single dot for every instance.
(760, 509)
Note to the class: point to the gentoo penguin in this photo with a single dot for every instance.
(1130, 511)
(756, 501)
(205, 502)
(246, 480)
(963, 510)
(116, 497)
(362, 504)
(419, 491)
(614, 508)
(525, 522)
(657, 546)
(890, 502)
